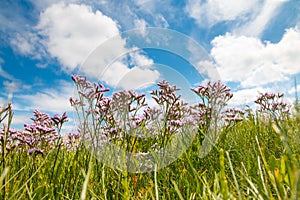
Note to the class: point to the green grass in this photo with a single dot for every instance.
(255, 159)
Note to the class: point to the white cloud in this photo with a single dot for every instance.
(3, 102)
(24, 44)
(257, 26)
(138, 78)
(211, 12)
(73, 31)
(29, 44)
(6, 75)
(246, 96)
(252, 16)
(155, 9)
(208, 69)
(10, 87)
(160, 21)
(140, 60)
(141, 24)
(19, 119)
(114, 73)
(139, 75)
(54, 99)
(294, 90)
(79, 37)
(253, 63)
(3, 73)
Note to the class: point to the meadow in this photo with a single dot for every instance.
(255, 152)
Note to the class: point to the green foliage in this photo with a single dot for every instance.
(256, 158)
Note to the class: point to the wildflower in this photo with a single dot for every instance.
(233, 115)
(35, 151)
(214, 97)
(273, 104)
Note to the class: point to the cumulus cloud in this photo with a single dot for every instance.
(251, 62)
(138, 78)
(73, 31)
(140, 74)
(246, 96)
(212, 12)
(208, 69)
(140, 60)
(77, 37)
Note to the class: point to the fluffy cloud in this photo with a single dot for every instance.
(73, 31)
(252, 63)
(246, 96)
(208, 70)
(138, 78)
(140, 74)
(211, 12)
(140, 60)
(77, 37)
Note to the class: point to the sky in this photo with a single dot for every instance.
(251, 46)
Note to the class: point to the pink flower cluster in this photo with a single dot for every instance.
(273, 104)
(42, 135)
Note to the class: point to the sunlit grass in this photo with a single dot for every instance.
(256, 158)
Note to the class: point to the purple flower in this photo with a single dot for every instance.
(273, 104)
(35, 151)
(60, 119)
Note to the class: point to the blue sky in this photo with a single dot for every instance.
(250, 45)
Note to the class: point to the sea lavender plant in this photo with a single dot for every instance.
(121, 115)
(36, 138)
(125, 121)
(172, 114)
(44, 133)
(71, 141)
(92, 108)
(127, 106)
(213, 98)
(209, 112)
(232, 116)
(273, 104)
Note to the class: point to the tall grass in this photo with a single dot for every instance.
(257, 158)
